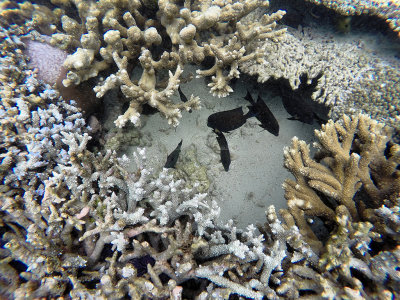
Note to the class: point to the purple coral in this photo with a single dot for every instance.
(46, 59)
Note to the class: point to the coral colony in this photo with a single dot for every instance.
(78, 223)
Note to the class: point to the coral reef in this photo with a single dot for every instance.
(352, 183)
(354, 79)
(108, 33)
(386, 10)
(65, 209)
(79, 224)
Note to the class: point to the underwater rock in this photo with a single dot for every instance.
(48, 61)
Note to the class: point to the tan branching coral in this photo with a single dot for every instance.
(17, 13)
(352, 185)
(145, 90)
(353, 155)
(106, 33)
(232, 55)
(355, 172)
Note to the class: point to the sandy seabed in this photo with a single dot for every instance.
(255, 177)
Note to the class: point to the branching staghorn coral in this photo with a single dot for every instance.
(90, 202)
(145, 91)
(78, 224)
(351, 156)
(234, 54)
(31, 144)
(258, 261)
(100, 231)
(18, 13)
(62, 206)
(352, 181)
(108, 33)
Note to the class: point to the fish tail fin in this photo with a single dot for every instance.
(319, 120)
(259, 99)
(249, 98)
(182, 95)
(251, 113)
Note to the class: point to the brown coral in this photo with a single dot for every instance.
(353, 156)
(352, 184)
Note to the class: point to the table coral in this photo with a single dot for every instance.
(354, 79)
(386, 10)
(78, 224)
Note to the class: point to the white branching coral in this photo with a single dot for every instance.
(80, 224)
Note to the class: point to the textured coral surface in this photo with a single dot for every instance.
(160, 38)
(79, 221)
(387, 10)
(353, 75)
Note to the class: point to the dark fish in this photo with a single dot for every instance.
(299, 104)
(263, 114)
(223, 145)
(249, 98)
(173, 157)
(183, 97)
(228, 120)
